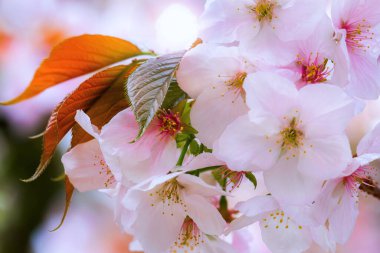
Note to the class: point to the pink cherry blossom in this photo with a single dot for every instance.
(357, 24)
(316, 59)
(338, 203)
(178, 204)
(260, 25)
(214, 76)
(154, 154)
(281, 231)
(296, 137)
(84, 164)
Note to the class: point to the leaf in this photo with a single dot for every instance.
(62, 119)
(74, 57)
(252, 178)
(106, 107)
(194, 148)
(148, 85)
(174, 95)
(69, 190)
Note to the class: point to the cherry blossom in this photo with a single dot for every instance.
(254, 23)
(285, 135)
(357, 24)
(338, 203)
(214, 76)
(281, 231)
(178, 203)
(85, 164)
(316, 59)
(154, 154)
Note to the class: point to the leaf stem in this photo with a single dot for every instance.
(184, 150)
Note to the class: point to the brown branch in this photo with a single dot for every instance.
(369, 187)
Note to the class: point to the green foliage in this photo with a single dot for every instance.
(252, 178)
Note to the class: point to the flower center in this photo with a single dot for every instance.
(235, 85)
(189, 238)
(264, 10)
(169, 123)
(168, 194)
(358, 34)
(312, 70)
(291, 136)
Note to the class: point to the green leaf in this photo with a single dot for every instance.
(252, 178)
(148, 86)
(194, 148)
(174, 96)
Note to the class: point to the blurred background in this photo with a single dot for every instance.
(28, 31)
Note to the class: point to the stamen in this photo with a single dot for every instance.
(263, 10)
(169, 194)
(105, 170)
(358, 34)
(312, 70)
(291, 136)
(169, 122)
(189, 238)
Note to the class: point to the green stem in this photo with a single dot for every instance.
(184, 150)
(201, 170)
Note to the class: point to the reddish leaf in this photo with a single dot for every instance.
(62, 119)
(75, 57)
(69, 189)
(107, 106)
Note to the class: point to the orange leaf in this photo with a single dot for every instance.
(69, 189)
(62, 119)
(107, 106)
(75, 57)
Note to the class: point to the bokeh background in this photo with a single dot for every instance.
(28, 211)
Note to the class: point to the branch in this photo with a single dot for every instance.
(370, 188)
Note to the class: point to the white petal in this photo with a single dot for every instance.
(325, 110)
(284, 240)
(257, 206)
(365, 77)
(207, 66)
(205, 215)
(195, 185)
(157, 231)
(289, 186)
(298, 21)
(84, 164)
(212, 121)
(370, 143)
(245, 145)
(269, 93)
(84, 121)
(343, 218)
(325, 158)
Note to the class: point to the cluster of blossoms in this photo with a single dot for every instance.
(272, 89)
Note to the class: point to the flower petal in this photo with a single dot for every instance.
(247, 146)
(269, 93)
(289, 186)
(213, 111)
(326, 110)
(325, 158)
(205, 215)
(84, 164)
